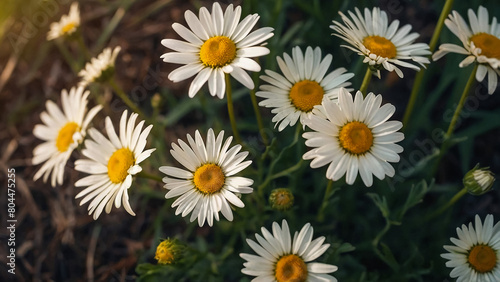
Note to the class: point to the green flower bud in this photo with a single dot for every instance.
(478, 180)
(281, 199)
(168, 251)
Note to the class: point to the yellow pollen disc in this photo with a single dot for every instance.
(482, 258)
(209, 178)
(118, 164)
(217, 52)
(65, 136)
(489, 44)
(355, 137)
(68, 27)
(380, 46)
(291, 268)
(306, 94)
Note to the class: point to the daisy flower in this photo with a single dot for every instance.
(62, 132)
(281, 259)
(209, 184)
(475, 254)
(111, 164)
(354, 136)
(302, 87)
(381, 44)
(67, 25)
(100, 69)
(217, 44)
(481, 44)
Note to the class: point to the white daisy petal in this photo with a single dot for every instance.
(275, 256)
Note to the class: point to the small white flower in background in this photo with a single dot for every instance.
(62, 132)
(481, 44)
(303, 86)
(217, 44)
(100, 69)
(209, 184)
(478, 180)
(475, 254)
(68, 24)
(381, 44)
(112, 163)
(279, 258)
(354, 136)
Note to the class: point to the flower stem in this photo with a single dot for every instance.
(420, 75)
(461, 102)
(450, 203)
(83, 47)
(67, 57)
(258, 117)
(366, 81)
(230, 109)
(321, 213)
(454, 119)
(123, 96)
(146, 175)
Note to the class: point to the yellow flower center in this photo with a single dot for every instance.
(380, 46)
(209, 178)
(482, 258)
(355, 137)
(68, 27)
(281, 199)
(489, 44)
(119, 163)
(217, 52)
(65, 136)
(306, 94)
(291, 268)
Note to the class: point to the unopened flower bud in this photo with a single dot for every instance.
(281, 199)
(168, 251)
(479, 180)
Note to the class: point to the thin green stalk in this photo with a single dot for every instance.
(67, 57)
(366, 81)
(461, 102)
(450, 203)
(321, 213)
(420, 75)
(230, 109)
(123, 96)
(258, 117)
(82, 45)
(456, 115)
(146, 175)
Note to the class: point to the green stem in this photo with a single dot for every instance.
(123, 96)
(461, 102)
(324, 204)
(450, 203)
(420, 75)
(82, 45)
(454, 119)
(366, 81)
(230, 109)
(146, 175)
(67, 57)
(258, 117)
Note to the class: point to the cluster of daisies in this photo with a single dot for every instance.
(349, 132)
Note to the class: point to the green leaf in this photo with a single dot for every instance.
(417, 193)
(381, 203)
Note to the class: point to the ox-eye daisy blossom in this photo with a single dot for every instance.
(381, 44)
(217, 44)
(100, 69)
(209, 184)
(67, 25)
(62, 132)
(281, 259)
(354, 136)
(303, 86)
(475, 256)
(481, 44)
(111, 164)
